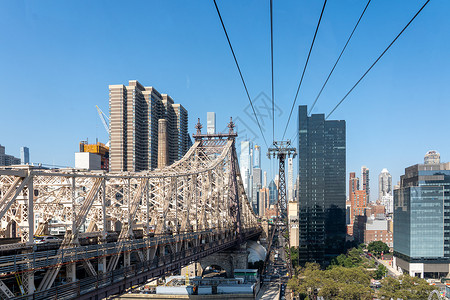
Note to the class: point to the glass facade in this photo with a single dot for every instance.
(422, 213)
(322, 187)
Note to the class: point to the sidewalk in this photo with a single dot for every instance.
(269, 290)
(386, 263)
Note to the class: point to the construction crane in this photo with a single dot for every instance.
(103, 118)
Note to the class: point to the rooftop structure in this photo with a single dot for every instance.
(432, 157)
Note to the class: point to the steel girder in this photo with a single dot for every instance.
(202, 191)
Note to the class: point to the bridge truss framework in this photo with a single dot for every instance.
(184, 211)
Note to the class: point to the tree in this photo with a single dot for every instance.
(352, 259)
(380, 272)
(405, 287)
(339, 283)
(377, 247)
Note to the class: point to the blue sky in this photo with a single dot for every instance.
(57, 59)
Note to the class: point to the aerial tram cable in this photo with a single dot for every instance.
(240, 73)
(304, 68)
(337, 61)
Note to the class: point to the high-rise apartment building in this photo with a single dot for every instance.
(245, 165)
(322, 187)
(293, 223)
(211, 122)
(24, 155)
(365, 181)
(290, 183)
(358, 205)
(263, 201)
(257, 185)
(257, 156)
(422, 221)
(385, 190)
(135, 111)
(265, 179)
(273, 193)
(182, 141)
(7, 160)
(353, 185)
(384, 184)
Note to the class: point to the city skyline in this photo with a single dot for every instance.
(407, 74)
(240, 146)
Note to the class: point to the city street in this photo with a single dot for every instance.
(275, 277)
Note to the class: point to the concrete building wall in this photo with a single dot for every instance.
(118, 127)
(163, 155)
(87, 161)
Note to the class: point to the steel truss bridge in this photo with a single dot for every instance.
(158, 221)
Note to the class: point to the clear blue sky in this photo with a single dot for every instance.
(57, 59)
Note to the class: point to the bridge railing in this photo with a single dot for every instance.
(44, 259)
(159, 265)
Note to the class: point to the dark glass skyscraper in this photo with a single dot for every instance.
(322, 187)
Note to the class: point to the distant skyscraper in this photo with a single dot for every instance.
(384, 184)
(365, 181)
(353, 185)
(358, 205)
(135, 112)
(211, 123)
(273, 193)
(421, 221)
(290, 191)
(257, 185)
(7, 160)
(385, 190)
(265, 179)
(322, 187)
(263, 201)
(24, 155)
(257, 156)
(432, 157)
(246, 167)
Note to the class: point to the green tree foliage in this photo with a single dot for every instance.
(334, 283)
(352, 259)
(406, 287)
(380, 272)
(377, 247)
(294, 257)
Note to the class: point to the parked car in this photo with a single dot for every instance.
(47, 239)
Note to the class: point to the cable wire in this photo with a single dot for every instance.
(271, 59)
(375, 62)
(240, 73)
(337, 61)
(304, 68)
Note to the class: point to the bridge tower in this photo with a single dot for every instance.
(282, 150)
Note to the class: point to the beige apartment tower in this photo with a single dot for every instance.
(135, 111)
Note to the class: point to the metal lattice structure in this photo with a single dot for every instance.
(201, 193)
(282, 150)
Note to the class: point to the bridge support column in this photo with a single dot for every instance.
(28, 283)
(101, 265)
(126, 259)
(71, 272)
(228, 260)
